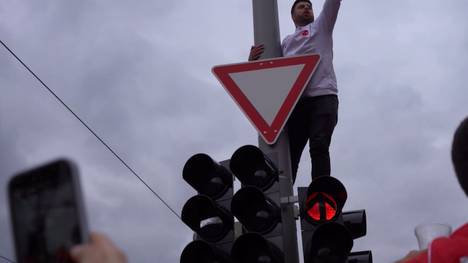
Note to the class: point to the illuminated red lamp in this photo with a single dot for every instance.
(326, 197)
(321, 207)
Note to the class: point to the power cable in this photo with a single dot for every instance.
(90, 130)
(5, 258)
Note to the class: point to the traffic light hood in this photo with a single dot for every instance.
(253, 248)
(331, 242)
(252, 167)
(255, 210)
(207, 176)
(209, 220)
(199, 251)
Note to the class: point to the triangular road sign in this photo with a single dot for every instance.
(267, 90)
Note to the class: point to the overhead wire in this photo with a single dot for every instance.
(5, 258)
(92, 131)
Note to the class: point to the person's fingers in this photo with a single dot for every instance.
(78, 252)
(109, 247)
(258, 46)
(103, 242)
(121, 256)
(256, 52)
(100, 239)
(258, 49)
(99, 249)
(84, 252)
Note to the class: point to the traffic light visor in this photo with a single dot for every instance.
(255, 211)
(199, 251)
(360, 257)
(209, 220)
(252, 167)
(331, 241)
(253, 248)
(355, 222)
(207, 176)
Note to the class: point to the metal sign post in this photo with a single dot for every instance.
(266, 32)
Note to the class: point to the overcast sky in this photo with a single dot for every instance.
(138, 72)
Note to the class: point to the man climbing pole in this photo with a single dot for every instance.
(316, 113)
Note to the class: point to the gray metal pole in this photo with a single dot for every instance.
(266, 31)
(266, 27)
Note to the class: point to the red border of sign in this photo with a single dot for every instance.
(269, 133)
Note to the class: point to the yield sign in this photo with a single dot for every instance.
(267, 90)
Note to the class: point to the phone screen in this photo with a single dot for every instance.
(45, 214)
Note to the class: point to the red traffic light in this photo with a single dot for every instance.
(326, 196)
(321, 207)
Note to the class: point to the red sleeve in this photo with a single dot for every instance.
(421, 258)
(446, 249)
(449, 250)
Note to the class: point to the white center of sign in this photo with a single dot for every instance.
(256, 84)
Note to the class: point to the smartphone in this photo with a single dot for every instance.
(47, 213)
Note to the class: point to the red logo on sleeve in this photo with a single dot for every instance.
(305, 33)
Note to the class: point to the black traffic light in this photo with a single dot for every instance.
(255, 210)
(327, 233)
(208, 213)
(257, 206)
(254, 248)
(199, 251)
(253, 168)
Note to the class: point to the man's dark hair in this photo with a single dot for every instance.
(460, 154)
(297, 2)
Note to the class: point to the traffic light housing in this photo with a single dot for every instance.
(208, 213)
(199, 251)
(257, 206)
(327, 233)
(253, 168)
(266, 230)
(207, 176)
(253, 248)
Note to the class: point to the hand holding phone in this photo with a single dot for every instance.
(47, 213)
(100, 249)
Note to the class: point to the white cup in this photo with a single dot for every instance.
(425, 233)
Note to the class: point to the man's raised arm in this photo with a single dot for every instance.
(329, 14)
